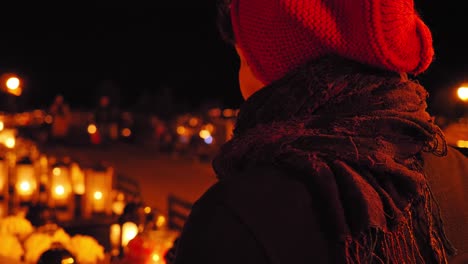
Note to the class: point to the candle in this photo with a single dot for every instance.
(60, 184)
(98, 201)
(25, 178)
(98, 184)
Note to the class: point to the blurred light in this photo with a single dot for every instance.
(118, 207)
(92, 129)
(155, 257)
(56, 171)
(215, 112)
(462, 93)
(462, 143)
(97, 195)
(2, 125)
(208, 140)
(48, 119)
(129, 232)
(38, 113)
(228, 112)
(160, 221)
(209, 127)
(68, 261)
(147, 210)
(204, 133)
(181, 130)
(126, 132)
(13, 83)
(10, 142)
(25, 186)
(193, 121)
(59, 190)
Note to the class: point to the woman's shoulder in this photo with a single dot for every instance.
(258, 184)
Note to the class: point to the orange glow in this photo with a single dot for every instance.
(126, 132)
(13, 83)
(92, 129)
(98, 195)
(180, 130)
(204, 133)
(462, 93)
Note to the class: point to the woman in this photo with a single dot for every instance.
(326, 164)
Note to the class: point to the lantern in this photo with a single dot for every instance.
(98, 185)
(8, 138)
(60, 184)
(26, 180)
(60, 191)
(127, 227)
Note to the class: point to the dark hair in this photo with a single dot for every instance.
(223, 21)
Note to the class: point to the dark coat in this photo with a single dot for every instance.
(266, 216)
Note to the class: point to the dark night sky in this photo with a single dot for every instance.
(73, 51)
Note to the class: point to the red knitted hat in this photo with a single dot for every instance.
(277, 36)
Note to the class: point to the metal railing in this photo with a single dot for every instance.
(178, 212)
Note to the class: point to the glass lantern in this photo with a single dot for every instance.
(98, 185)
(61, 191)
(26, 181)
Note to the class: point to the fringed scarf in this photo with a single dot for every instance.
(354, 134)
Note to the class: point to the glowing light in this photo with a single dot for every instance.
(97, 195)
(208, 140)
(25, 186)
(209, 127)
(204, 133)
(10, 142)
(181, 130)
(160, 221)
(462, 143)
(56, 171)
(129, 232)
(215, 112)
(155, 257)
(13, 83)
(2, 125)
(228, 112)
(147, 210)
(48, 119)
(68, 261)
(59, 190)
(92, 129)
(462, 93)
(126, 132)
(193, 121)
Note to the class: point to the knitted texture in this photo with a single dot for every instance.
(278, 36)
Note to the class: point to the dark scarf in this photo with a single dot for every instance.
(354, 135)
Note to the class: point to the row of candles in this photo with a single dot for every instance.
(28, 177)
